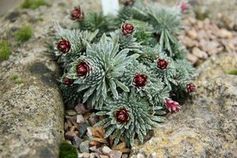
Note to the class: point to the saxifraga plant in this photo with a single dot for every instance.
(127, 68)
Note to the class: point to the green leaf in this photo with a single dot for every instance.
(122, 86)
(113, 89)
(88, 93)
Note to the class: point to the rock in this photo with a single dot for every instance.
(223, 33)
(71, 112)
(80, 119)
(80, 109)
(211, 47)
(104, 156)
(192, 34)
(94, 155)
(95, 149)
(76, 141)
(199, 53)
(89, 132)
(192, 58)
(224, 13)
(206, 125)
(70, 135)
(84, 155)
(106, 150)
(125, 156)
(188, 42)
(139, 155)
(82, 129)
(84, 147)
(115, 154)
(31, 113)
(153, 155)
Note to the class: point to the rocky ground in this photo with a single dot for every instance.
(31, 108)
(204, 38)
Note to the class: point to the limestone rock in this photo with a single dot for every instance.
(31, 111)
(206, 125)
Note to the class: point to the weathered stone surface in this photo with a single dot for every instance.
(207, 124)
(31, 108)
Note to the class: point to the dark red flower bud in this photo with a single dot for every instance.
(162, 64)
(64, 46)
(82, 69)
(191, 88)
(140, 80)
(77, 14)
(184, 7)
(127, 29)
(67, 81)
(172, 106)
(122, 115)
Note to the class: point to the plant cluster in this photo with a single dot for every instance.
(5, 50)
(131, 68)
(24, 34)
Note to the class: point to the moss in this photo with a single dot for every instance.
(24, 34)
(232, 72)
(33, 4)
(16, 79)
(5, 50)
(67, 151)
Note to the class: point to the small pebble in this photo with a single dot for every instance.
(89, 132)
(125, 156)
(71, 112)
(80, 109)
(153, 155)
(84, 147)
(104, 156)
(106, 150)
(84, 155)
(140, 155)
(82, 129)
(76, 141)
(115, 154)
(80, 119)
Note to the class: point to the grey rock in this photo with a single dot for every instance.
(82, 129)
(80, 119)
(206, 126)
(115, 154)
(139, 155)
(125, 156)
(84, 147)
(84, 155)
(106, 150)
(76, 141)
(80, 109)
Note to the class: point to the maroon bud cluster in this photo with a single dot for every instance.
(172, 106)
(122, 115)
(127, 29)
(67, 81)
(82, 69)
(162, 64)
(64, 46)
(77, 14)
(191, 88)
(140, 80)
